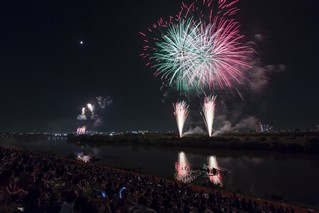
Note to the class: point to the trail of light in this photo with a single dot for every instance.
(181, 112)
(209, 113)
(83, 111)
(90, 107)
(182, 166)
(212, 164)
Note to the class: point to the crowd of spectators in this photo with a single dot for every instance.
(35, 183)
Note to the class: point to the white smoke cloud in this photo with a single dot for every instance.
(97, 123)
(245, 123)
(195, 131)
(260, 75)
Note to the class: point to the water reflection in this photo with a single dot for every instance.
(182, 167)
(214, 173)
(186, 174)
(82, 157)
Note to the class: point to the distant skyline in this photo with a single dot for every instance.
(57, 55)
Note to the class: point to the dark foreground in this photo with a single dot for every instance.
(43, 183)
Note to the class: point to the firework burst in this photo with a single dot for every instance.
(201, 48)
(90, 116)
(208, 113)
(181, 112)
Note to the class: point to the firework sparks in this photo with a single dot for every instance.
(90, 107)
(181, 112)
(209, 113)
(196, 56)
(91, 112)
(202, 47)
(82, 116)
(81, 130)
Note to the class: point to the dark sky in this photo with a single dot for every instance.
(47, 76)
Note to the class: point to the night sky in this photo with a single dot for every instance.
(47, 75)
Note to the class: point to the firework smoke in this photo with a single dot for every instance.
(249, 122)
(103, 102)
(209, 113)
(181, 112)
(194, 131)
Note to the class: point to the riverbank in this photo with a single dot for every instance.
(296, 142)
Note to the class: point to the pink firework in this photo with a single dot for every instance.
(202, 47)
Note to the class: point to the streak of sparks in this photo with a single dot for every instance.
(201, 47)
(181, 112)
(208, 109)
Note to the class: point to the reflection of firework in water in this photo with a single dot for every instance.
(181, 166)
(214, 172)
(209, 113)
(82, 157)
(81, 130)
(183, 170)
(181, 112)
